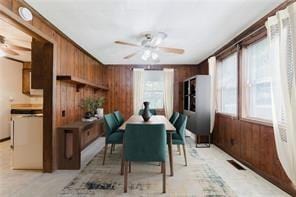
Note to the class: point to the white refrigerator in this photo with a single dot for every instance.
(27, 141)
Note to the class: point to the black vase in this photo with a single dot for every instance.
(146, 113)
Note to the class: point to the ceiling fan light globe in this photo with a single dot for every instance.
(154, 56)
(146, 55)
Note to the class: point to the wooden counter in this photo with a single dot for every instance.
(73, 138)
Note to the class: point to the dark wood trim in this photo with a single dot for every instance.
(257, 121)
(4, 139)
(259, 35)
(80, 82)
(36, 13)
(233, 117)
(226, 53)
(239, 76)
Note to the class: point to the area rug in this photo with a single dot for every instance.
(197, 179)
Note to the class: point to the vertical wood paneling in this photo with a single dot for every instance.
(70, 61)
(120, 94)
(252, 144)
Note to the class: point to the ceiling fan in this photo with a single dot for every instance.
(149, 46)
(8, 48)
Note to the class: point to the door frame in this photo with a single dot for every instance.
(49, 82)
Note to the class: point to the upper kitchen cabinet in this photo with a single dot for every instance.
(27, 81)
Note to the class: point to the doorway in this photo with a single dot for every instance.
(40, 71)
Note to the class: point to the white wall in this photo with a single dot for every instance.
(11, 92)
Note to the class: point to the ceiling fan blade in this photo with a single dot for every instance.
(126, 43)
(131, 55)
(20, 48)
(8, 51)
(172, 50)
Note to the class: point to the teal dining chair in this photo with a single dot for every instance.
(178, 138)
(144, 143)
(113, 136)
(152, 111)
(120, 120)
(119, 117)
(174, 117)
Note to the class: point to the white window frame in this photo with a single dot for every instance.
(247, 86)
(220, 89)
(151, 105)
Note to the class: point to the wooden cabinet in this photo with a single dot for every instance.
(73, 138)
(27, 81)
(197, 104)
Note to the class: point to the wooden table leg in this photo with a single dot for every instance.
(122, 160)
(171, 153)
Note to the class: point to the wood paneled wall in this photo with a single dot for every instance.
(120, 82)
(250, 142)
(71, 60)
(253, 144)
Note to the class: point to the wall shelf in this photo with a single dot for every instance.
(80, 83)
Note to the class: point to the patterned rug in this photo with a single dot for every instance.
(197, 179)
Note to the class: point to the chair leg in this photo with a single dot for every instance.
(125, 176)
(184, 150)
(129, 166)
(179, 149)
(111, 149)
(105, 152)
(163, 177)
(122, 161)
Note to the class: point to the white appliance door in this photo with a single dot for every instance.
(27, 142)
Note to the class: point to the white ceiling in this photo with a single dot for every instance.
(16, 37)
(198, 26)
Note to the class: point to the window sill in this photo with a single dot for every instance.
(232, 116)
(258, 121)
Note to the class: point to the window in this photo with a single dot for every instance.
(227, 85)
(153, 88)
(256, 81)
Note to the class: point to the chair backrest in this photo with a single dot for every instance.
(145, 142)
(119, 117)
(152, 111)
(110, 124)
(180, 125)
(174, 117)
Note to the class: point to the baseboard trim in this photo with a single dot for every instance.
(4, 139)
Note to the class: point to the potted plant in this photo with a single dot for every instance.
(99, 106)
(89, 106)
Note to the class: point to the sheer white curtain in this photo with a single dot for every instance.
(168, 95)
(138, 89)
(213, 72)
(282, 47)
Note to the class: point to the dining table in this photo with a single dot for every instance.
(155, 119)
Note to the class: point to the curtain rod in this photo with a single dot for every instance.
(240, 40)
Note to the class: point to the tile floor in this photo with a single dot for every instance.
(34, 183)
